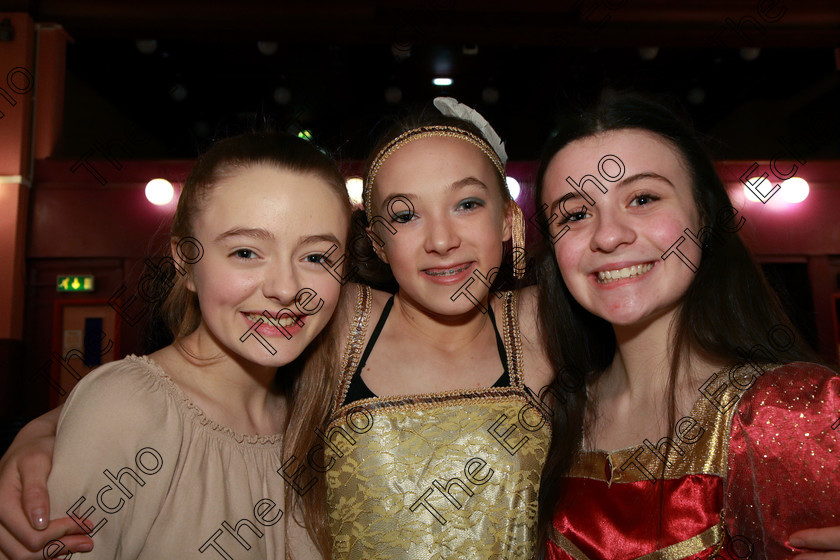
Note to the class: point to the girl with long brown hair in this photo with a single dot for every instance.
(700, 426)
(174, 454)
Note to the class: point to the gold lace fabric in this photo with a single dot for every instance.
(440, 475)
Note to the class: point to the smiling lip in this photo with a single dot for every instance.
(275, 327)
(621, 273)
(449, 274)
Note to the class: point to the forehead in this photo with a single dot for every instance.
(268, 197)
(638, 150)
(439, 158)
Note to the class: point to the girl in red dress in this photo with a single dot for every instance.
(693, 423)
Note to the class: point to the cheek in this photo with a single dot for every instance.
(400, 248)
(568, 252)
(668, 230)
(326, 289)
(215, 285)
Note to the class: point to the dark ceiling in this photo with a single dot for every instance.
(338, 69)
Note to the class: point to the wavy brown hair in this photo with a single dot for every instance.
(727, 308)
(307, 380)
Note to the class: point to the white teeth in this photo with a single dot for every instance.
(606, 276)
(285, 321)
(449, 272)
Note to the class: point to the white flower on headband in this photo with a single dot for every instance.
(451, 107)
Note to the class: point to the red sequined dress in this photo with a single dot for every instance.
(755, 461)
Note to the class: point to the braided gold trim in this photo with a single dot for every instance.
(355, 343)
(417, 134)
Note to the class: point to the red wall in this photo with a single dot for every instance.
(79, 226)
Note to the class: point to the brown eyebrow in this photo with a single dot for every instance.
(391, 197)
(624, 182)
(253, 233)
(645, 175)
(467, 181)
(328, 237)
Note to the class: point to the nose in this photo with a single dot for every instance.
(281, 283)
(441, 236)
(612, 230)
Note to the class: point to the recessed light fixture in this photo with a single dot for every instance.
(159, 192)
(442, 81)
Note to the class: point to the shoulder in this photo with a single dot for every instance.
(120, 392)
(796, 386)
(781, 455)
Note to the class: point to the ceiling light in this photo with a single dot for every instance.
(764, 187)
(442, 81)
(159, 192)
(513, 187)
(795, 190)
(354, 189)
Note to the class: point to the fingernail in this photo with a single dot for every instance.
(86, 547)
(39, 519)
(797, 541)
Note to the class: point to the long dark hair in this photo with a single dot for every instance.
(725, 312)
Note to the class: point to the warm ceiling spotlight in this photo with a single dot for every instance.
(146, 46)
(442, 81)
(795, 190)
(267, 48)
(354, 189)
(765, 187)
(513, 187)
(159, 192)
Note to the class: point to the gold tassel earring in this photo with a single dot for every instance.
(518, 241)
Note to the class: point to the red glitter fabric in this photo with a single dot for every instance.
(765, 466)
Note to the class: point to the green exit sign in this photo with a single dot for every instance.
(82, 283)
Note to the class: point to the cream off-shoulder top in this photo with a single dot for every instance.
(156, 478)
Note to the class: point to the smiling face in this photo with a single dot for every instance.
(264, 231)
(458, 224)
(610, 258)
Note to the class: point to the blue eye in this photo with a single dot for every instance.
(316, 258)
(244, 254)
(471, 204)
(402, 217)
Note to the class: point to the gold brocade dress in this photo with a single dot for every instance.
(435, 476)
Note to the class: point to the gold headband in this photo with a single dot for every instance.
(417, 134)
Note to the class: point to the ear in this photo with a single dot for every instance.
(377, 248)
(173, 249)
(507, 230)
